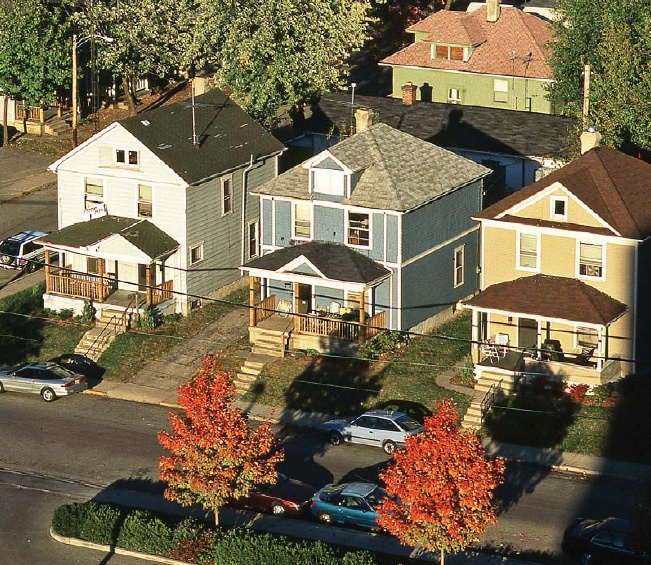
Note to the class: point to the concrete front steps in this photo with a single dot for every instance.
(249, 371)
(271, 343)
(502, 385)
(98, 338)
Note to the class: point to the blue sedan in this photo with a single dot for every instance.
(351, 504)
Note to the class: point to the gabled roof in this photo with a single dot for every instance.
(398, 171)
(140, 233)
(614, 185)
(334, 260)
(227, 137)
(456, 127)
(514, 45)
(545, 296)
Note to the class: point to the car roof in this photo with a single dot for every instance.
(27, 235)
(385, 414)
(619, 525)
(359, 489)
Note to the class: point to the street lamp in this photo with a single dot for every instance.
(75, 45)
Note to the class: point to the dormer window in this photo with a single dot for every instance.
(558, 208)
(448, 52)
(329, 177)
(126, 157)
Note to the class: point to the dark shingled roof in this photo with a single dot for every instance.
(615, 186)
(336, 261)
(227, 136)
(551, 297)
(142, 234)
(456, 127)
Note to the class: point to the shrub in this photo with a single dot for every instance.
(577, 392)
(88, 312)
(147, 320)
(66, 313)
(603, 393)
(383, 344)
(467, 372)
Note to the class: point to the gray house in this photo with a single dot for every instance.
(157, 206)
(374, 232)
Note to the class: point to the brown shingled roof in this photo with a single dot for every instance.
(515, 45)
(551, 297)
(614, 185)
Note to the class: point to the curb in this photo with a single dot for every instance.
(110, 549)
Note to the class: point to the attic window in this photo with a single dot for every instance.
(448, 52)
(124, 157)
(456, 53)
(441, 52)
(558, 207)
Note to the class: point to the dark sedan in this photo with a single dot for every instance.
(286, 496)
(608, 541)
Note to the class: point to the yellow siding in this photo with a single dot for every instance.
(576, 213)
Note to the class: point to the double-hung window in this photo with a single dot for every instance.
(591, 260)
(528, 251)
(500, 90)
(196, 253)
(126, 157)
(144, 201)
(359, 231)
(227, 196)
(302, 226)
(459, 263)
(93, 193)
(454, 96)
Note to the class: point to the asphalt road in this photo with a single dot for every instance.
(102, 442)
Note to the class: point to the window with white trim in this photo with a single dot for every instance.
(196, 253)
(500, 90)
(227, 196)
(253, 239)
(144, 201)
(459, 265)
(93, 193)
(528, 251)
(591, 259)
(302, 222)
(558, 208)
(359, 231)
(126, 157)
(454, 96)
(587, 337)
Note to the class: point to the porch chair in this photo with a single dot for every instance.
(335, 307)
(489, 351)
(502, 344)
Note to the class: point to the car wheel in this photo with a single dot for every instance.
(30, 267)
(336, 438)
(6, 259)
(48, 395)
(389, 447)
(325, 518)
(586, 558)
(277, 509)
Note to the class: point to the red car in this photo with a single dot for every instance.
(286, 496)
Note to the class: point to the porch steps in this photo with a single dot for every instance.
(268, 342)
(56, 126)
(98, 338)
(507, 386)
(249, 371)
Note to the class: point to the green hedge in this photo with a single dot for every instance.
(192, 540)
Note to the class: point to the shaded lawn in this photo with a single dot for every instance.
(131, 351)
(341, 385)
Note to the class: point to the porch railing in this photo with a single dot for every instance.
(162, 292)
(34, 114)
(328, 327)
(265, 309)
(80, 285)
(375, 325)
(489, 398)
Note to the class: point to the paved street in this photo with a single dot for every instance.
(100, 442)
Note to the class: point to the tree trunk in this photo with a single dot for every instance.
(215, 511)
(448, 5)
(5, 127)
(128, 95)
(442, 557)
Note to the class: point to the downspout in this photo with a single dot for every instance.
(244, 242)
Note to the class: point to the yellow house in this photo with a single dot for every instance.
(563, 275)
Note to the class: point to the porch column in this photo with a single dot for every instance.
(100, 274)
(47, 271)
(149, 293)
(601, 350)
(362, 327)
(251, 301)
(474, 335)
(295, 297)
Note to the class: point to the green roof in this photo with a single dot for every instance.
(397, 171)
(142, 234)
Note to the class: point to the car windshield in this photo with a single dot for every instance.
(406, 423)
(376, 496)
(61, 372)
(9, 247)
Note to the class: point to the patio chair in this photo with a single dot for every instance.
(335, 307)
(489, 351)
(501, 344)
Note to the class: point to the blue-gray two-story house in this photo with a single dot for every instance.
(374, 232)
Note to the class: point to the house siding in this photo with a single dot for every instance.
(476, 89)
(576, 213)
(328, 224)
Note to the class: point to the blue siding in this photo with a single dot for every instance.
(266, 217)
(382, 300)
(281, 291)
(316, 196)
(377, 252)
(440, 220)
(324, 296)
(428, 284)
(392, 239)
(328, 224)
(328, 163)
(283, 223)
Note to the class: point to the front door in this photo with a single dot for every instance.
(304, 298)
(527, 333)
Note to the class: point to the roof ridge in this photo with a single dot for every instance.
(385, 165)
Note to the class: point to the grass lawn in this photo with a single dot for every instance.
(132, 350)
(340, 385)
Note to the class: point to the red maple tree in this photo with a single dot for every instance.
(215, 455)
(441, 486)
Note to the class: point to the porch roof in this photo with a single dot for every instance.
(334, 260)
(546, 296)
(140, 233)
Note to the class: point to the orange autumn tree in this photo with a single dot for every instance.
(441, 486)
(215, 455)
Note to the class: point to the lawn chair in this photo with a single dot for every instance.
(489, 351)
(502, 344)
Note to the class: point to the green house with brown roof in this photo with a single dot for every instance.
(496, 57)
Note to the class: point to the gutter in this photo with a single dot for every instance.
(244, 171)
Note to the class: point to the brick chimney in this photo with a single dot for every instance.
(590, 139)
(409, 93)
(492, 10)
(363, 119)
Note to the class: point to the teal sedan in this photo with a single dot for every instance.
(349, 504)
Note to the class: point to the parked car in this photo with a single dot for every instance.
(414, 410)
(286, 496)
(608, 541)
(382, 428)
(351, 504)
(78, 363)
(21, 251)
(47, 379)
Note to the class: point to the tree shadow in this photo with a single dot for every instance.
(21, 333)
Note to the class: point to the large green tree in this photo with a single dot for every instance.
(34, 51)
(614, 39)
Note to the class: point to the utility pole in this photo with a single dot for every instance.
(586, 95)
(74, 91)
